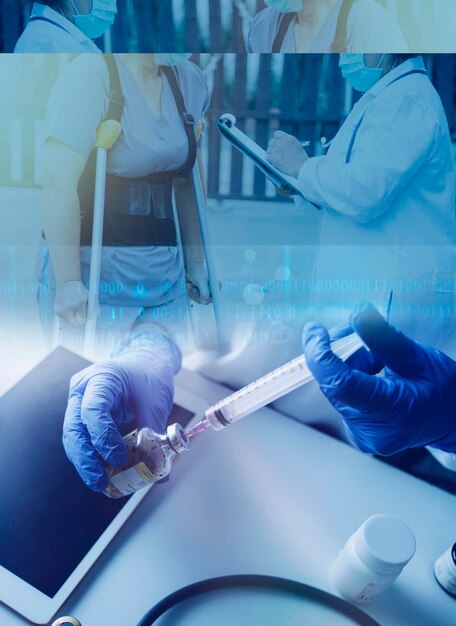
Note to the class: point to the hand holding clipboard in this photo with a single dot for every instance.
(286, 185)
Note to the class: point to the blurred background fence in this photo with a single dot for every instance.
(300, 94)
(222, 25)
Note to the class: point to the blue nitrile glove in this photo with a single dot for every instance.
(133, 389)
(413, 405)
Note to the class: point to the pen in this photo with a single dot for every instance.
(389, 305)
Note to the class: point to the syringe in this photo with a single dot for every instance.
(266, 389)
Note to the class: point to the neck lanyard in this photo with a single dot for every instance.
(360, 121)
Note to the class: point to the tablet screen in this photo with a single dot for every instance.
(49, 519)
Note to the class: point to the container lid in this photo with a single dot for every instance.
(385, 543)
(177, 439)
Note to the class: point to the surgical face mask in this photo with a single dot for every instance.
(357, 73)
(170, 58)
(285, 6)
(100, 18)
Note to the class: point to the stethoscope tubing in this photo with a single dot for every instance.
(255, 581)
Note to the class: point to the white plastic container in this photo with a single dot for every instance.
(445, 570)
(373, 558)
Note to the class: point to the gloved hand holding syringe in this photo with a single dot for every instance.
(274, 385)
(151, 454)
(101, 401)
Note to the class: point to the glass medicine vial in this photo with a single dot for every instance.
(150, 458)
(445, 570)
(373, 558)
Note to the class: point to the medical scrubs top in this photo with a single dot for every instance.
(370, 28)
(387, 194)
(52, 32)
(78, 104)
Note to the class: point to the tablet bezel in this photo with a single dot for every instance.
(40, 608)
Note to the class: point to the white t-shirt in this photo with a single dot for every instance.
(79, 103)
(370, 28)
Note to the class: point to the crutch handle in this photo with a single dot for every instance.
(107, 134)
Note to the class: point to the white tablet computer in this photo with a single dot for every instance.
(52, 527)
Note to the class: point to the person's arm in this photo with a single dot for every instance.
(76, 107)
(62, 169)
(107, 400)
(412, 405)
(393, 141)
(196, 271)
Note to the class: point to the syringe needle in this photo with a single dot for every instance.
(198, 428)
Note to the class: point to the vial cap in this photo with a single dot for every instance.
(177, 439)
(385, 543)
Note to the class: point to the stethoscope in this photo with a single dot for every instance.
(244, 582)
(265, 583)
(326, 144)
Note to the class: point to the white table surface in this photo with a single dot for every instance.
(267, 496)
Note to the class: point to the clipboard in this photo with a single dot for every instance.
(285, 184)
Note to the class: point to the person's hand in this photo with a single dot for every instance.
(286, 153)
(413, 405)
(71, 302)
(112, 398)
(198, 282)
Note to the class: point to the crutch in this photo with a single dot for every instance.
(107, 135)
(201, 207)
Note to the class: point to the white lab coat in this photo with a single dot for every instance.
(388, 213)
(52, 32)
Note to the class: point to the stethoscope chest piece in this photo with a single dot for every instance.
(66, 621)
